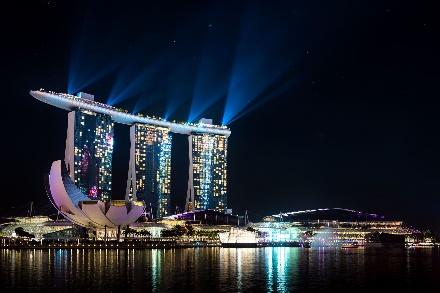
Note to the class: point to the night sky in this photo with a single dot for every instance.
(330, 103)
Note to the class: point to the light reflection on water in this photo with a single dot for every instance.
(282, 269)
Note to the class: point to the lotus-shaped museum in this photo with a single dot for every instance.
(80, 209)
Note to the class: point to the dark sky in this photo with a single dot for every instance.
(330, 103)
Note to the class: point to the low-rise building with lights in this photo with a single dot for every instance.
(332, 227)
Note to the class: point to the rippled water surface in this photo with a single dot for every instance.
(283, 269)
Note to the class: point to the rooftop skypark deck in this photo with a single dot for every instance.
(70, 102)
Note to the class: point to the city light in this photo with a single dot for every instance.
(150, 167)
(91, 136)
(209, 169)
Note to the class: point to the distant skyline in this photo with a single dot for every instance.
(329, 104)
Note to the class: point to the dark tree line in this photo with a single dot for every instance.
(22, 233)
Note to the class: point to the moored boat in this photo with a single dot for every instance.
(353, 244)
(237, 237)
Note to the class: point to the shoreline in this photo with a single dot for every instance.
(192, 245)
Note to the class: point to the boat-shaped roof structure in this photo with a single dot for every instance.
(71, 102)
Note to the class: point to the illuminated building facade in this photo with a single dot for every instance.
(149, 174)
(332, 227)
(89, 149)
(207, 182)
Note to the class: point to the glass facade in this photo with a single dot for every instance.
(93, 149)
(150, 167)
(209, 166)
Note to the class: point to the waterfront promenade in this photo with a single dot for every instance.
(168, 242)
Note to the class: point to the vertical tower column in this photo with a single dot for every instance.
(207, 179)
(69, 153)
(189, 206)
(149, 172)
(130, 191)
(89, 151)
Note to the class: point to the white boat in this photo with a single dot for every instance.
(237, 237)
(427, 244)
(352, 244)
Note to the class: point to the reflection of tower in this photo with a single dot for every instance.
(149, 174)
(207, 180)
(89, 150)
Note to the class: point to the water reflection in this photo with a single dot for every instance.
(281, 265)
(280, 269)
(155, 268)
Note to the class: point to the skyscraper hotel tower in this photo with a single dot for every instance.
(207, 183)
(149, 174)
(89, 150)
